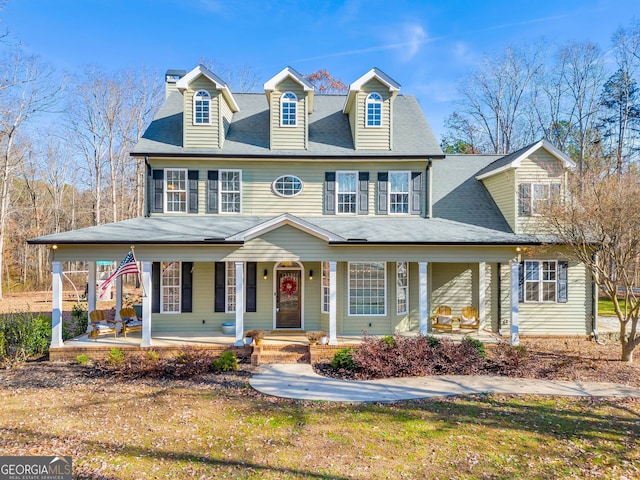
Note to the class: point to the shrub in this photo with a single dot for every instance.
(475, 344)
(23, 335)
(343, 358)
(188, 362)
(82, 359)
(151, 355)
(226, 362)
(389, 341)
(115, 357)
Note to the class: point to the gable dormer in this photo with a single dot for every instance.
(522, 182)
(290, 98)
(208, 108)
(370, 108)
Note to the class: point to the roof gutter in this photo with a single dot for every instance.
(272, 155)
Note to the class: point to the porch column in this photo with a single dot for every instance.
(91, 287)
(118, 297)
(482, 301)
(333, 307)
(56, 301)
(146, 304)
(515, 280)
(239, 303)
(424, 299)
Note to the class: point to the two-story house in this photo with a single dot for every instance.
(286, 210)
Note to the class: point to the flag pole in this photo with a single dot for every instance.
(133, 252)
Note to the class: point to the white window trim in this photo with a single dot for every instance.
(226, 293)
(343, 172)
(220, 191)
(179, 287)
(368, 101)
(273, 186)
(282, 101)
(540, 282)
(166, 191)
(195, 95)
(323, 287)
(408, 212)
(398, 311)
(384, 314)
(532, 187)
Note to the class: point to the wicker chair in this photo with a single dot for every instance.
(130, 321)
(100, 324)
(470, 318)
(442, 319)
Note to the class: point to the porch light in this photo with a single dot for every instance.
(310, 274)
(264, 274)
(54, 247)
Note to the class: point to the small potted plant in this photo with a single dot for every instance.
(255, 335)
(315, 337)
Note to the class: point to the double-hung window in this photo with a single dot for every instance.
(230, 287)
(534, 197)
(347, 192)
(201, 108)
(230, 191)
(402, 287)
(374, 110)
(399, 192)
(175, 186)
(170, 287)
(326, 291)
(540, 280)
(367, 288)
(288, 106)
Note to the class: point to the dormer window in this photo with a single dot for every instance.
(374, 110)
(288, 105)
(201, 108)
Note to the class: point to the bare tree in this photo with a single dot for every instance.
(26, 88)
(600, 221)
(240, 78)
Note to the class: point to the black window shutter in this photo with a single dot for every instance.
(524, 200)
(193, 190)
(155, 287)
(251, 282)
(415, 197)
(330, 193)
(212, 191)
(219, 293)
(158, 191)
(563, 282)
(363, 193)
(521, 283)
(187, 287)
(383, 180)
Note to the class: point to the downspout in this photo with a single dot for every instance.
(499, 303)
(427, 197)
(594, 303)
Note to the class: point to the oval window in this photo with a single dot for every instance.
(287, 186)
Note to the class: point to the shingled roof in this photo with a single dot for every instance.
(329, 131)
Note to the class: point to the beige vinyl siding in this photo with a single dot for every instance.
(539, 167)
(502, 188)
(226, 116)
(258, 197)
(455, 285)
(205, 136)
(373, 138)
(288, 137)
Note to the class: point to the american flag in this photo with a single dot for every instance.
(128, 265)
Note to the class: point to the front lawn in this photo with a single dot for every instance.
(605, 307)
(216, 426)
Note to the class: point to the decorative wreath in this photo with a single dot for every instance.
(288, 286)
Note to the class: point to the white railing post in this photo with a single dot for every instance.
(424, 298)
(56, 301)
(515, 284)
(146, 304)
(333, 307)
(239, 304)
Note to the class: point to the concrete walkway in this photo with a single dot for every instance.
(298, 381)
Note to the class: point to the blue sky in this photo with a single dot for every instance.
(427, 46)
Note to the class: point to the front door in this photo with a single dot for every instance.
(288, 299)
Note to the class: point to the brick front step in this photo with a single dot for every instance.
(267, 354)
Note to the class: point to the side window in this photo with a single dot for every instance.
(201, 108)
(288, 106)
(374, 110)
(544, 281)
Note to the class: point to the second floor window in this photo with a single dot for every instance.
(346, 191)
(534, 197)
(201, 107)
(175, 186)
(374, 110)
(288, 105)
(230, 193)
(399, 192)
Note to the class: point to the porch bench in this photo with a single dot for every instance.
(130, 321)
(442, 319)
